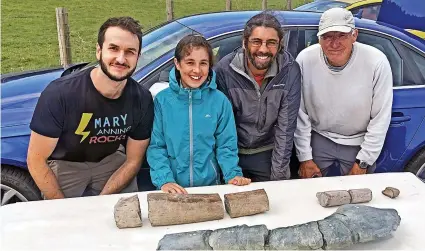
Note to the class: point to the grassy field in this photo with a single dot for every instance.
(28, 27)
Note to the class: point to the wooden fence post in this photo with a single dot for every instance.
(228, 4)
(170, 10)
(63, 36)
(264, 5)
(289, 4)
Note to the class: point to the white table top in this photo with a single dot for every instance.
(88, 223)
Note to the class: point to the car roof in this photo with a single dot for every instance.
(362, 2)
(349, 1)
(217, 23)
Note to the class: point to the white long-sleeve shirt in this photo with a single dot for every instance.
(350, 107)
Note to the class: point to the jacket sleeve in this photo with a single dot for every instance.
(285, 127)
(157, 154)
(227, 143)
(220, 80)
(380, 114)
(302, 135)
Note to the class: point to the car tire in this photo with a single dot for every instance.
(20, 183)
(417, 165)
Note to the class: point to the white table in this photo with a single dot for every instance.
(88, 223)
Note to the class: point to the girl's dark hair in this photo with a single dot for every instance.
(187, 43)
(126, 23)
(263, 19)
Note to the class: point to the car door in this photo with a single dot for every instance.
(408, 84)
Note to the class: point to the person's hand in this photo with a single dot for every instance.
(173, 188)
(309, 169)
(239, 181)
(356, 170)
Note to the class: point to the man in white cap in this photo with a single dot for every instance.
(346, 101)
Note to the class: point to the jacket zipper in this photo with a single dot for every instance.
(215, 171)
(190, 139)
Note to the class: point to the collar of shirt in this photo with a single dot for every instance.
(337, 68)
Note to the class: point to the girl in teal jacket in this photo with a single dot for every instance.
(194, 130)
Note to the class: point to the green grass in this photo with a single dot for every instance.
(28, 27)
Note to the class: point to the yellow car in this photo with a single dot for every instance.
(368, 9)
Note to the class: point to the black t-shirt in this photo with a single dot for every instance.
(89, 125)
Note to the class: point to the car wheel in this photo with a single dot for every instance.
(17, 186)
(417, 165)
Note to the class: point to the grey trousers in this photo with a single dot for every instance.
(334, 159)
(78, 179)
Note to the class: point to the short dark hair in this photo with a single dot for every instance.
(263, 19)
(126, 23)
(187, 43)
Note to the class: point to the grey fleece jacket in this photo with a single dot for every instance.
(265, 119)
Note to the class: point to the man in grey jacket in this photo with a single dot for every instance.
(262, 81)
(346, 101)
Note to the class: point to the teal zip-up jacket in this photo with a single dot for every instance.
(194, 134)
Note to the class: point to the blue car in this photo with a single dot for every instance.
(404, 148)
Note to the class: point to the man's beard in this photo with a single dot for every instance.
(260, 66)
(112, 77)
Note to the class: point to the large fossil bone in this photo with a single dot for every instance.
(350, 224)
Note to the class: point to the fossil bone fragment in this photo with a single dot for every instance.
(127, 212)
(391, 192)
(246, 203)
(342, 197)
(172, 209)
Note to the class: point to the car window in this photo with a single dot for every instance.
(381, 43)
(368, 12)
(321, 6)
(161, 41)
(225, 46)
(414, 67)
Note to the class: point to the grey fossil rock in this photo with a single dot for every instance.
(391, 192)
(335, 233)
(342, 197)
(360, 195)
(333, 198)
(303, 236)
(368, 223)
(127, 212)
(239, 238)
(350, 224)
(196, 240)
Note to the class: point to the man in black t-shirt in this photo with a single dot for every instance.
(82, 121)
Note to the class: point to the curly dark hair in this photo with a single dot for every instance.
(126, 23)
(263, 19)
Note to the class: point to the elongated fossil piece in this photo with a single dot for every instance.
(342, 197)
(172, 209)
(349, 225)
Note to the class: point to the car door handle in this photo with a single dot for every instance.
(398, 118)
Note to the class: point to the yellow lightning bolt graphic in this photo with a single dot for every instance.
(85, 119)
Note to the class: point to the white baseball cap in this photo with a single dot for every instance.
(336, 19)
